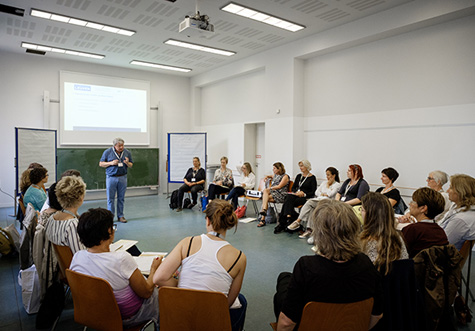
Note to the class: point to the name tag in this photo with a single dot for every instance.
(120, 164)
(342, 198)
(193, 179)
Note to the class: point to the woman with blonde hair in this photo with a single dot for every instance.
(223, 180)
(275, 191)
(380, 239)
(459, 222)
(303, 189)
(208, 262)
(248, 181)
(61, 228)
(338, 273)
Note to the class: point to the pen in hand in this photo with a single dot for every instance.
(118, 248)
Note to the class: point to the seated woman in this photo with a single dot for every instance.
(353, 189)
(459, 222)
(380, 239)
(436, 180)
(425, 205)
(276, 190)
(338, 273)
(136, 296)
(222, 182)
(53, 205)
(326, 190)
(208, 262)
(35, 194)
(304, 188)
(194, 180)
(248, 181)
(25, 177)
(388, 177)
(61, 228)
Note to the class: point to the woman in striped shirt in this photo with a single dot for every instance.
(61, 228)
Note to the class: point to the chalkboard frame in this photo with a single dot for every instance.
(144, 173)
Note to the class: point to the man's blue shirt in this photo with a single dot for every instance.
(110, 155)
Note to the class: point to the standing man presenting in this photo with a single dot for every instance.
(116, 160)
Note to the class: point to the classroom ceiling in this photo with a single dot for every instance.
(156, 21)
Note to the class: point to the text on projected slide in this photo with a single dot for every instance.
(104, 108)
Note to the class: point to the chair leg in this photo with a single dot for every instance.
(468, 291)
(467, 281)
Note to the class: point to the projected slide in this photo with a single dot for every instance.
(96, 109)
(111, 108)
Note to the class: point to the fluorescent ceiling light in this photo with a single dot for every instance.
(80, 22)
(44, 48)
(197, 47)
(253, 14)
(159, 66)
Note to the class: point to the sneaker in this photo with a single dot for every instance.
(310, 241)
(294, 226)
(305, 235)
(179, 210)
(122, 220)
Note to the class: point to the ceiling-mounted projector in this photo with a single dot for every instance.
(196, 25)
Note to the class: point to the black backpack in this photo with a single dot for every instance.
(174, 200)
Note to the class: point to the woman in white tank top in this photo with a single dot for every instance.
(208, 262)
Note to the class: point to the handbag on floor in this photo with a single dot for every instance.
(174, 200)
(271, 217)
(241, 211)
(30, 289)
(204, 203)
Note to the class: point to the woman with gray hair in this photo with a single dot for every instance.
(338, 273)
(304, 188)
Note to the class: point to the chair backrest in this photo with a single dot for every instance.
(65, 256)
(184, 309)
(22, 204)
(94, 302)
(336, 316)
(291, 183)
(465, 251)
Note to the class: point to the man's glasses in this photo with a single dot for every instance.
(114, 227)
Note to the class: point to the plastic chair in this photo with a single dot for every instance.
(65, 256)
(94, 303)
(185, 309)
(322, 316)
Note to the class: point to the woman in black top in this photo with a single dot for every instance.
(338, 273)
(353, 189)
(303, 188)
(388, 177)
(194, 182)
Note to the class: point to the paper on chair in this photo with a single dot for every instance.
(144, 260)
(122, 245)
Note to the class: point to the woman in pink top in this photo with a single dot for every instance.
(208, 262)
(136, 296)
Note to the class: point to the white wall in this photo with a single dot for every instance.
(407, 101)
(394, 89)
(25, 78)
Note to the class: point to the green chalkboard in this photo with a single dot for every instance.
(86, 160)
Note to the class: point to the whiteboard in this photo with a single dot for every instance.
(35, 145)
(182, 148)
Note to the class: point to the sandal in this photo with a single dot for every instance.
(263, 213)
(261, 224)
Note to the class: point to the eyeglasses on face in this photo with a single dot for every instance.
(114, 227)
(430, 178)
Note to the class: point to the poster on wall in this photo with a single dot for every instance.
(182, 148)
